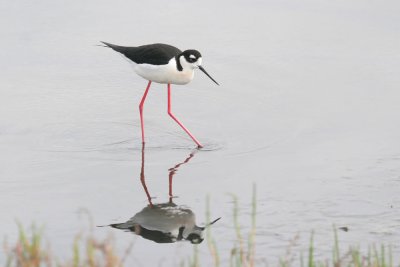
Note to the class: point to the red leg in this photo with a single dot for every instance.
(141, 109)
(177, 121)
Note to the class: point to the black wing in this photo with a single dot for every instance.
(155, 54)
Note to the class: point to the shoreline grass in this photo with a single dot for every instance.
(30, 250)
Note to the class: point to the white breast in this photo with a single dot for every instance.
(164, 73)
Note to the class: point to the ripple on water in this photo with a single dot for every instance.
(110, 137)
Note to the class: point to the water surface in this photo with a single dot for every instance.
(307, 110)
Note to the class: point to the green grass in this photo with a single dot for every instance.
(241, 254)
(31, 250)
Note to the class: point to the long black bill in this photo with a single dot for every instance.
(211, 223)
(205, 72)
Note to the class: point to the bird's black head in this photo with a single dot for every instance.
(191, 55)
(191, 59)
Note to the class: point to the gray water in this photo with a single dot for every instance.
(307, 110)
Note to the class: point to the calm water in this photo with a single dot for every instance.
(307, 110)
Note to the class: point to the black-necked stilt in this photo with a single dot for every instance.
(165, 64)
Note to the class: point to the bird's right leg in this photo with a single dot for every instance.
(141, 109)
(177, 121)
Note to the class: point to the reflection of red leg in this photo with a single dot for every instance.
(171, 175)
(172, 172)
(177, 121)
(141, 109)
(142, 179)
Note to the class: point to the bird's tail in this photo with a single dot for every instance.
(120, 49)
(113, 46)
(107, 44)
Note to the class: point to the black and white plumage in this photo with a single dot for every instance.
(165, 64)
(162, 63)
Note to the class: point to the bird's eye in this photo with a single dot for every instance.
(192, 58)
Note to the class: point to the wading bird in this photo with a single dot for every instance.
(166, 64)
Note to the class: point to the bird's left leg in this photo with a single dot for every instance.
(177, 121)
(141, 109)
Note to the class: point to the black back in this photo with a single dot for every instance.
(154, 54)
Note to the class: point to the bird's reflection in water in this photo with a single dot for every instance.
(164, 222)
